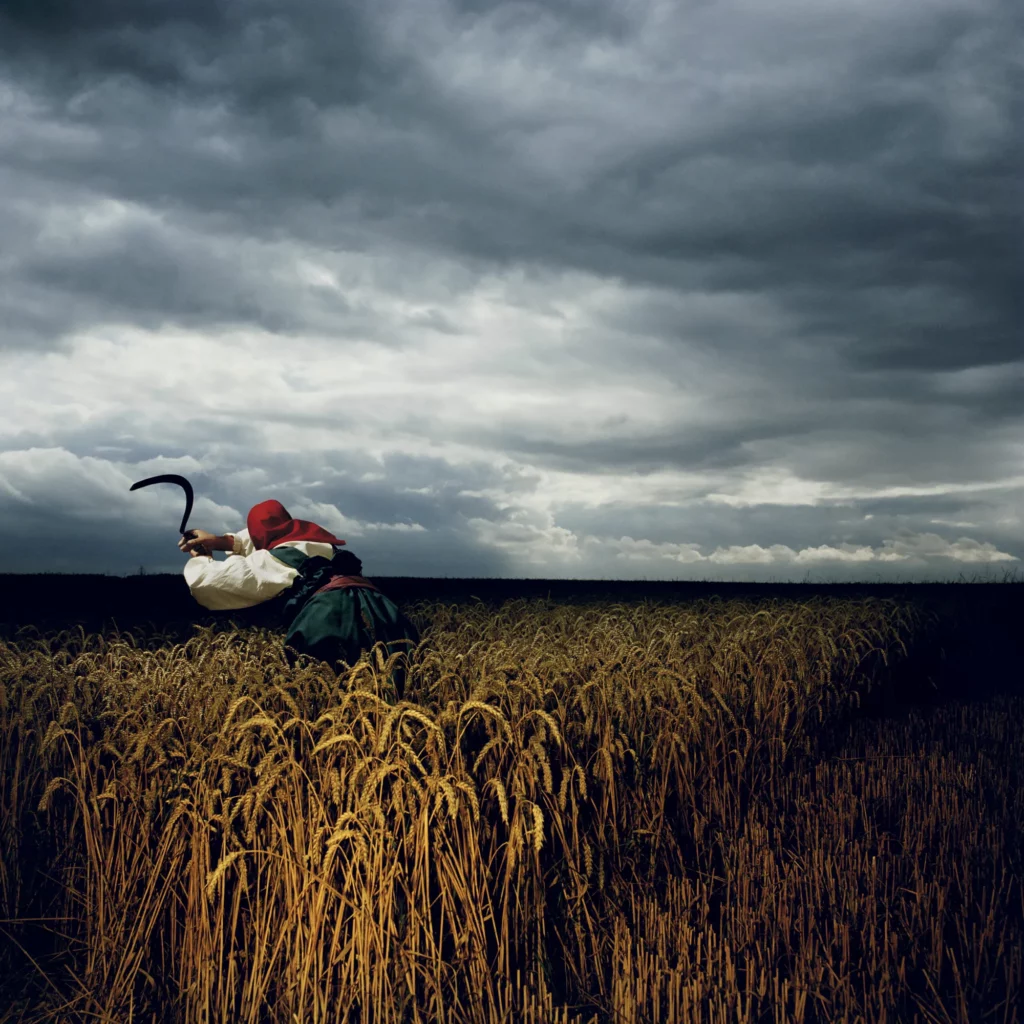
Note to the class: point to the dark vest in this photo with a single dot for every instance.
(316, 574)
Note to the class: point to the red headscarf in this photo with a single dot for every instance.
(269, 525)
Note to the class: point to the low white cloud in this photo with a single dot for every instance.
(927, 546)
(53, 489)
(344, 526)
(530, 541)
(630, 549)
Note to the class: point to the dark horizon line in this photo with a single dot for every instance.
(1008, 577)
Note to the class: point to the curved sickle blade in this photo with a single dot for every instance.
(171, 478)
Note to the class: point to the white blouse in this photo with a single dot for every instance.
(248, 576)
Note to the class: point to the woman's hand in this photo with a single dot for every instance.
(202, 542)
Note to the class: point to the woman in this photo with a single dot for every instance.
(333, 611)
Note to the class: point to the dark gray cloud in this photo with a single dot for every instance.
(258, 55)
(138, 275)
(863, 206)
(491, 280)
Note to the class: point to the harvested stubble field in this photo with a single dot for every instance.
(623, 813)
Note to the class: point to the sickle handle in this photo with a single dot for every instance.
(188, 535)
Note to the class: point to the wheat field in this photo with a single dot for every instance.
(630, 813)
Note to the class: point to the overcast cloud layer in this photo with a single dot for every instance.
(627, 289)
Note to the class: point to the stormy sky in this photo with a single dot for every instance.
(621, 289)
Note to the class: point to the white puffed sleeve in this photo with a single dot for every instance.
(247, 577)
(243, 544)
(237, 582)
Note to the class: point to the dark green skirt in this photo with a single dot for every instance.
(338, 625)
